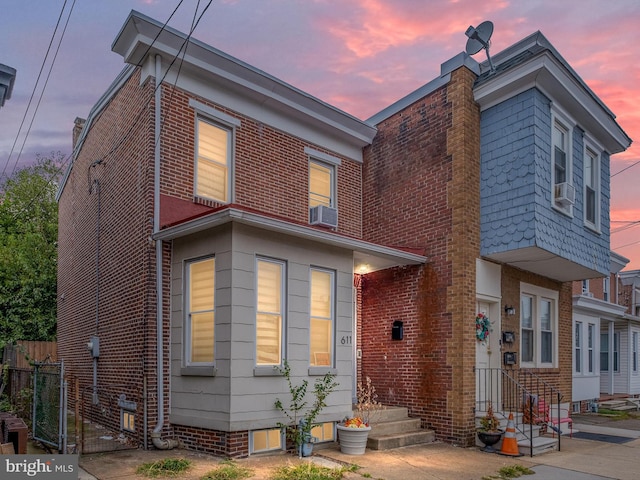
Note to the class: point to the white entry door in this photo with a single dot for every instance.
(488, 380)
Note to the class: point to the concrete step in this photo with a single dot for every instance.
(540, 445)
(396, 426)
(385, 414)
(387, 442)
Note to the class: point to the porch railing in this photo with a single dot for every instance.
(517, 392)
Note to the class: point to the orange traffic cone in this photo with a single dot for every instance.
(510, 442)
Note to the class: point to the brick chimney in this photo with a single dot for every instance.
(78, 125)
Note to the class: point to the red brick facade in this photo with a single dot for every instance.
(418, 189)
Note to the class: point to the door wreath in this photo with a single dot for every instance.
(483, 327)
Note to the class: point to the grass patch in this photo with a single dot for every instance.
(310, 471)
(511, 471)
(618, 414)
(167, 467)
(228, 470)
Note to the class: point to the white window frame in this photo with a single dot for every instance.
(269, 448)
(634, 352)
(539, 295)
(188, 313)
(591, 331)
(331, 319)
(606, 289)
(604, 351)
(229, 131)
(616, 352)
(585, 286)
(268, 367)
(314, 197)
(566, 127)
(577, 348)
(590, 152)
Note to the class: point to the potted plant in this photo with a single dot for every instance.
(354, 431)
(302, 419)
(489, 431)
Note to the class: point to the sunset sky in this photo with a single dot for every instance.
(358, 55)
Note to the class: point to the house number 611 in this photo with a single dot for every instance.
(346, 340)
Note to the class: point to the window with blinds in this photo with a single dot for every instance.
(200, 311)
(213, 161)
(322, 317)
(269, 311)
(320, 184)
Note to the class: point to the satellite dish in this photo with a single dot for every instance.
(479, 38)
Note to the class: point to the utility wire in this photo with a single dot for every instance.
(76, 148)
(15, 165)
(35, 87)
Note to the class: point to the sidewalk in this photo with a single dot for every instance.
(580, 459)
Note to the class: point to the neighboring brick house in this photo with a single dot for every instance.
(225, 221)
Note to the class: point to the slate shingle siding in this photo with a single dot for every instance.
(516, 177)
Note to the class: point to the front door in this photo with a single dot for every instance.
(488, 378)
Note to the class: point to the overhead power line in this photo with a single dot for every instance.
(35, 87)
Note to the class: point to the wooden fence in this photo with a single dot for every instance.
(22, 353)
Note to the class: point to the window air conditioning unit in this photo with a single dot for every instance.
(323, 216)
(565, 194)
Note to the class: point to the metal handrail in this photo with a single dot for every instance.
(511, 390)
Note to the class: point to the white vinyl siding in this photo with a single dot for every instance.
(200, 310)
(270, 276)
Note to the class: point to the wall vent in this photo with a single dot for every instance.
(323, 216)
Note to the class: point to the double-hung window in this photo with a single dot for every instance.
(538, 326)
(591, 331)
(270, 295)
(322, 309)
(200, 308)
(604, 352)
(321, 184)
(634, 352)
(591, 187)
(578, 347)
(563, 190)
(606, 288)
(213, 161)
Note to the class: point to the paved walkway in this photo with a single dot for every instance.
(579, 459)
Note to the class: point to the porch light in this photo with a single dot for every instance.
(509, 310)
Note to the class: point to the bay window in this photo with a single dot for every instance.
(200, 308)
(270, 288)
(322, 317)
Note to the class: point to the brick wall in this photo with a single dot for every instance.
(560, 377)
(421, 184)
(106, 212)
(271, 168)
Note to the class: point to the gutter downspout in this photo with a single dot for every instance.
(158, 442)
